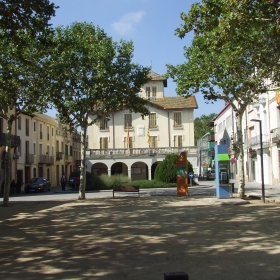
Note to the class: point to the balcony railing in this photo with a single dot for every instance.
(275, 135)
(45, 159)
(29, 158)
(254, 142)
(59, 155)
(15, 140)
(138, 152)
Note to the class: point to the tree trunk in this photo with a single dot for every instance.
(82, 189)
(240, 153)
(7, 163)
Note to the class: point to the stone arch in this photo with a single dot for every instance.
(119, 168)
(99, 168)
(139, 171)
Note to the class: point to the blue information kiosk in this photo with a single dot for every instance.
(223, 189)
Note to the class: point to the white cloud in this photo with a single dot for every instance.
(125, 25)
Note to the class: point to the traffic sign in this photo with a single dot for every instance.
(191, 175)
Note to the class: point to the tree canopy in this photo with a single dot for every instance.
(23, 46)
(234, 50)
(92, 76)
(201, 126)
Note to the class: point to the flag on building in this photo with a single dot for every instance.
(148, 136)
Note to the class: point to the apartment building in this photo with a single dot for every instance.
(42, 148)
(129, 144)
(261, 137)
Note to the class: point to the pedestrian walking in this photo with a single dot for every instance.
(63, 182)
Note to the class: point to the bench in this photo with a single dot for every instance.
(126, 189)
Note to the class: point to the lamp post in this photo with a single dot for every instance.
(261, 144)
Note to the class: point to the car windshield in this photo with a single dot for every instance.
(36, 180)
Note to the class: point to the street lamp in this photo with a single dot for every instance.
(260, 123)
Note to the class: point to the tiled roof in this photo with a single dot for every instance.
(155, 76)
(176, 102)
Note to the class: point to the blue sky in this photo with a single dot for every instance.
(150, 24)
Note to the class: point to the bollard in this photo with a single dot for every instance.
(176, 276)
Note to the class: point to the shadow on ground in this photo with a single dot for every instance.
(139, 238)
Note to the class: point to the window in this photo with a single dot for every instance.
(177, 119)
(103, 123)
(27, 127)
(34, 126)
(178, 141)
(153, 141)
(40, 149)
(48, 133)
(128, 145)
(41, 131)
(127, 121)
(19, 122)
(153, 120)
(148, 91)
(103, 143)
(154, 91)
(34, 148)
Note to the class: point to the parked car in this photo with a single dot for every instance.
(211, 174)
(38, 184)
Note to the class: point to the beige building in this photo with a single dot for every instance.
(42, 148)
(120, 144)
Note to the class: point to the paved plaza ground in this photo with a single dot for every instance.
(139, 238)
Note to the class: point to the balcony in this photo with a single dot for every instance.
(68, 159)
(254, 142)
(15, 140)
(138, 152)
(29, 158)
(275, 135)
(45, 159)
(59, 155)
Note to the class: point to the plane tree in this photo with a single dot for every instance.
(228, 59)
(90, 77)
(24, 42)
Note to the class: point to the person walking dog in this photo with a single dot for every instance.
(63, 182)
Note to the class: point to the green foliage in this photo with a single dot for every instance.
(24, 44)
(115, 180)
(166, 171)
(147, 184)
(92, 76)
(236, 47)
(200, 126)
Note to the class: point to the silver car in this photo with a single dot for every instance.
(211, 174)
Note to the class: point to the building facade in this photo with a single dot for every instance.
(261, 129)
(132, 145)
(44, 149)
